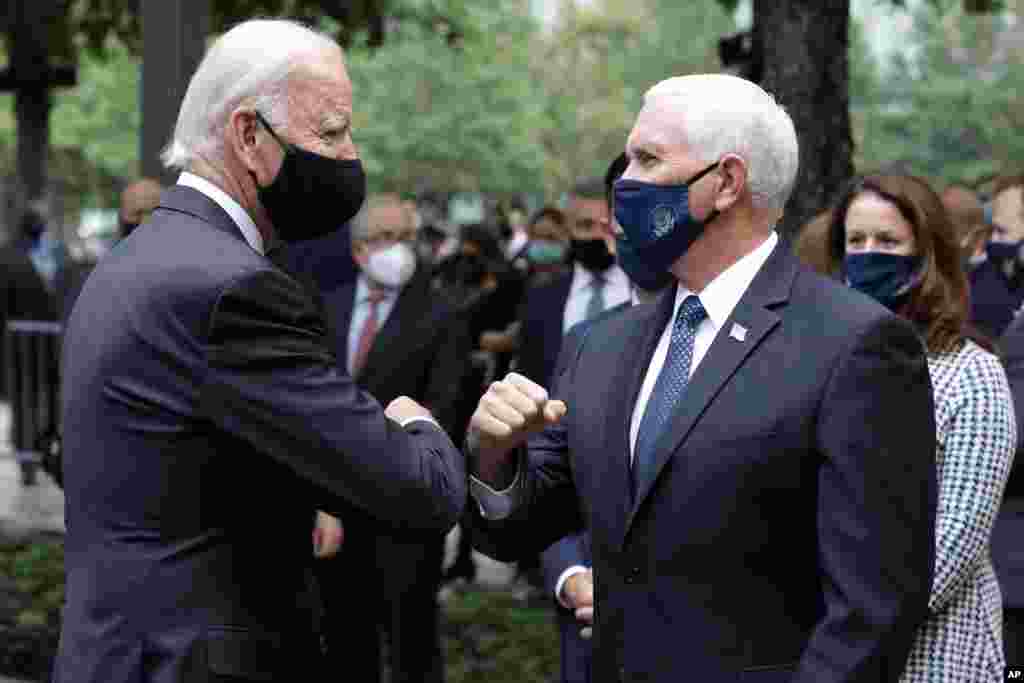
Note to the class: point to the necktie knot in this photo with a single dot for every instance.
(692, 312)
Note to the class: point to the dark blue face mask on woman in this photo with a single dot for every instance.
(657, 228)
(886, 278)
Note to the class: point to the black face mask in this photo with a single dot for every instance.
(312, 195)
(128, 228)
(592, 255)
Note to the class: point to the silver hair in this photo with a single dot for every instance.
(725, 114)
(359, 228)
(249, 64)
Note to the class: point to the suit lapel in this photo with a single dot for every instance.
(390, 335)
(343, 303)
(727, 353)
(555, 321)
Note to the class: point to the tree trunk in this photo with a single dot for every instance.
(804, 44)
(29, 64)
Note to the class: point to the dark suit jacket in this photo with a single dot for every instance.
(788, 534)
(422, 351)
(327, 261)
(205, 418)
(1008, 532)
(993, 300)
(542, 315)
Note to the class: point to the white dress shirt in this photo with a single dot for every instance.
(361, 311)
(239, 215)
(617, 290)
(719, 298)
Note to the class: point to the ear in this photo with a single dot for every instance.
(732, 184)
(246, 138)
(360, 253)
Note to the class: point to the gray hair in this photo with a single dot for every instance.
(359, 228)
(249, 64)
(729, 115)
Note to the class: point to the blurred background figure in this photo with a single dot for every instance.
(1008, 209)
(1008, 534)
(138, 200)
(898, 246)
(397, 337)
(993, 299)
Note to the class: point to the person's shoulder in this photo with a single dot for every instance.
(834, 304)
(976, 364)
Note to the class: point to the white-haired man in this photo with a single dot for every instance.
(753, 454)
(205, 412)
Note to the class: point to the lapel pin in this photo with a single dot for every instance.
(738, 332)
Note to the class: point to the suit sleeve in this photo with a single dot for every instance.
(980, 441)
(876, 508)
(272, 381)
(563, 554)
(548, 508)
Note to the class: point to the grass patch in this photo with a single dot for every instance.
(493, 637)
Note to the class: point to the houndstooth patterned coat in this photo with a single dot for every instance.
(961, 642)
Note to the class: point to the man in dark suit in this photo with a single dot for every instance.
(753, 455)
(398, 338)
(1008, 532)
(594, 285)
(206, 416)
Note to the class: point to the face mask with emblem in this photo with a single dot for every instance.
(657, 228)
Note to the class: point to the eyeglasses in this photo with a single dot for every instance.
(392, 237)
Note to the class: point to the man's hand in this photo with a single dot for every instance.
(578, 590)
(328, 536)
(404, 408)
(511, 410)
(578, 593)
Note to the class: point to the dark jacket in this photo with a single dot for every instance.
(205, 417)
(788, 530)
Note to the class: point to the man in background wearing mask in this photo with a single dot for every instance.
(753, 454)
(594, 285)
(396, 338)
(200, 382)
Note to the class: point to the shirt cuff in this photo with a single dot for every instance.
(495, 505)
(410, 420)
(571, 571)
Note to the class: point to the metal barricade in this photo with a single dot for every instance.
(32, 364)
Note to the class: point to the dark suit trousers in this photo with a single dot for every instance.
(574, 649)
(379, 585)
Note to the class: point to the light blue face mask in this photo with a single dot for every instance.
(657, 228)
(546, 252)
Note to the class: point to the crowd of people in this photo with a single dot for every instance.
(719, 455)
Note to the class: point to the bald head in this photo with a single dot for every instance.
(967, 214)
(138, 200)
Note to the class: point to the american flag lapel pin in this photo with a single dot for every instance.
(738, 332)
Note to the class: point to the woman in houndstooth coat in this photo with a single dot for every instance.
(897, 245)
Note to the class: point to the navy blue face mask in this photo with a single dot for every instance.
(1000, 252)
(657, 228)
(886, 278)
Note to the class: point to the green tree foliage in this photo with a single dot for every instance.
(430, 116)
(951, 110)
(598, 61)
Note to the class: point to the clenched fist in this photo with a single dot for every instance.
(511, 410)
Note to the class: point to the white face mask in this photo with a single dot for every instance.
(391, 267)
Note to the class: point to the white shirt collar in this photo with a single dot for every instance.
(363, 290)
(239, 215)
(721, 295)
(582, 278)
